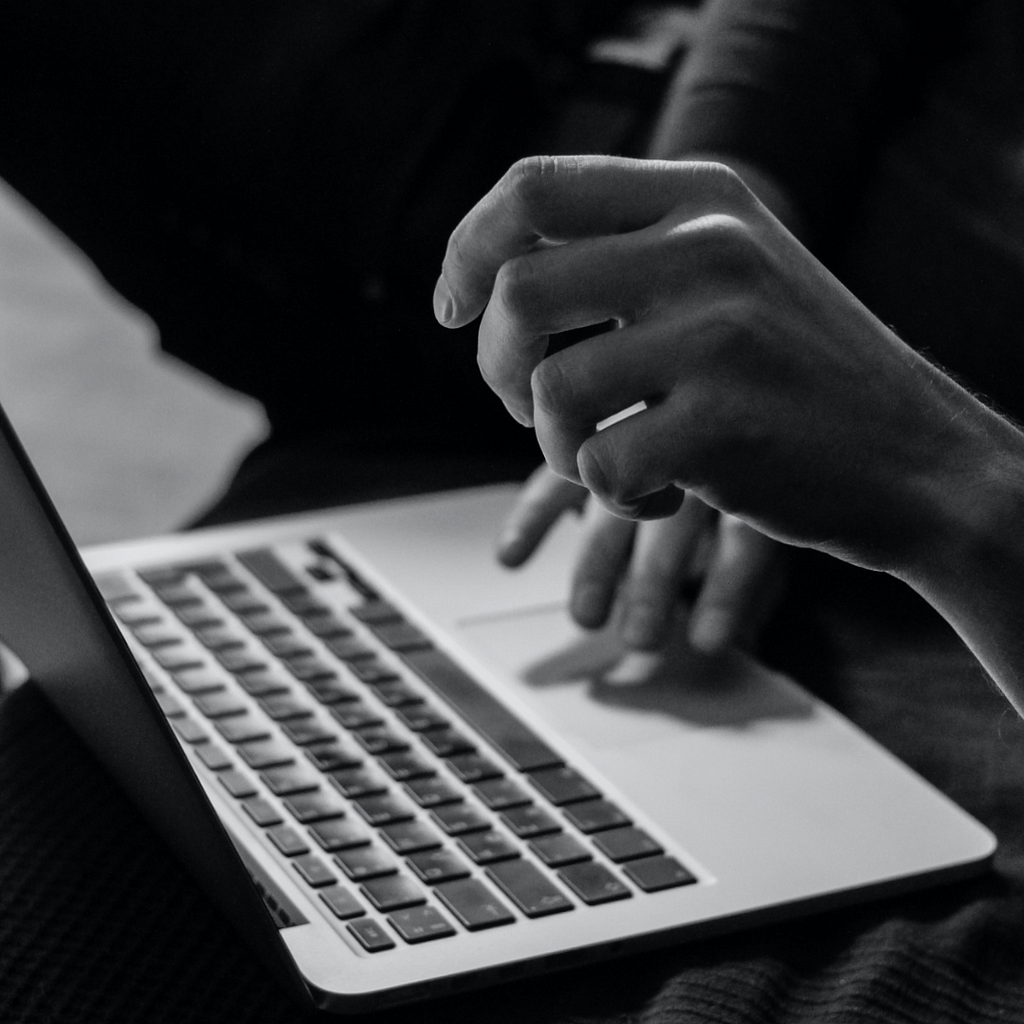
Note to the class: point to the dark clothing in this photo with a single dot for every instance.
(897, 126)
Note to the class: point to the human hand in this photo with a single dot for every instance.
(770, 391)
(635, 572)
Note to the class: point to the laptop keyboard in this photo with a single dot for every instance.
(399, 790)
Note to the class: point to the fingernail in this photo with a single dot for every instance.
(711, 631)
(444, 308)
(588, 605)
(643, 628)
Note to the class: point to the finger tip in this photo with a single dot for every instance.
(444, 304)
(711, 632)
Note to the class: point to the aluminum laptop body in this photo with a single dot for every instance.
(702, 795)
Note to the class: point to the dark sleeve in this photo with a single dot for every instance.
(808, 89)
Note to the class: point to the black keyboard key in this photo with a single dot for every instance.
(595, 815)
(182, 591)
(242, 729)
(365, 862)
(264, 682)
(282, 707)
(217, 576)
(395, 892)
(348, 648)
(169, 705)
(410, 837)
(333, 755)
(356, 715)
(563, 785)
(447, 743)
(403, 765)
(655, 873)
(397, 695)
(238, 785)
(529, 888)
(420, 924)
(432, 792)
(358, 782)
(380, 740)
(370, 671)
(262, 812)
(264, 622)
(308, 668)
(270, 571)
(220, 638)
(458, 819)
(161, 575)
(510, 736)
(287, 840)
(325, 624)
(156, 634)
(331, 690)
(474, 905)
(420, 718)
(499, 794)
(339, 834)
(134, 613)
(220, 704)
(342, 903)
(238, 660)
(594, 883)
(289, 779)
(376, 611)
(529, 821)
(287, 645)
(179, 656)
(303, 603)
(313, 870)
(473, 768)
(371, 936)
(213, 757)
(400, 636)
(434, 866)
(266, 754)
(384, 809)
(622, 844)
(244, 601)
(559, 849)
(488, 847)
(196, 616)
(315, 806)
(303, 731)
(115, 587)
(189, 729)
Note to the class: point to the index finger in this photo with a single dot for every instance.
(558, 199)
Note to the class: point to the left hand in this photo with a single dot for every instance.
(634, 573)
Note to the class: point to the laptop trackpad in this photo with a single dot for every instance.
(590, 689)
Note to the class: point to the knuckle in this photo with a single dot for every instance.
(554, 390)
(526, 184)
(517, 287)
(723, 184)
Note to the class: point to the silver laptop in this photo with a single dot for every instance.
(402, 771)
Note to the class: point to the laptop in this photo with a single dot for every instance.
(402, 771)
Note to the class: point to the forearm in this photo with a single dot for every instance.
(971, 563)
(805, 91)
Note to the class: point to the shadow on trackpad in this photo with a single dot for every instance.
(588, 687)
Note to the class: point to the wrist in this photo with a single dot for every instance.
(970, 563)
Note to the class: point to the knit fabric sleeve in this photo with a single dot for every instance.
(807, 90)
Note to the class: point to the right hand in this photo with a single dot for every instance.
(634, 573)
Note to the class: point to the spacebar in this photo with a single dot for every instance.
(518, 744)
